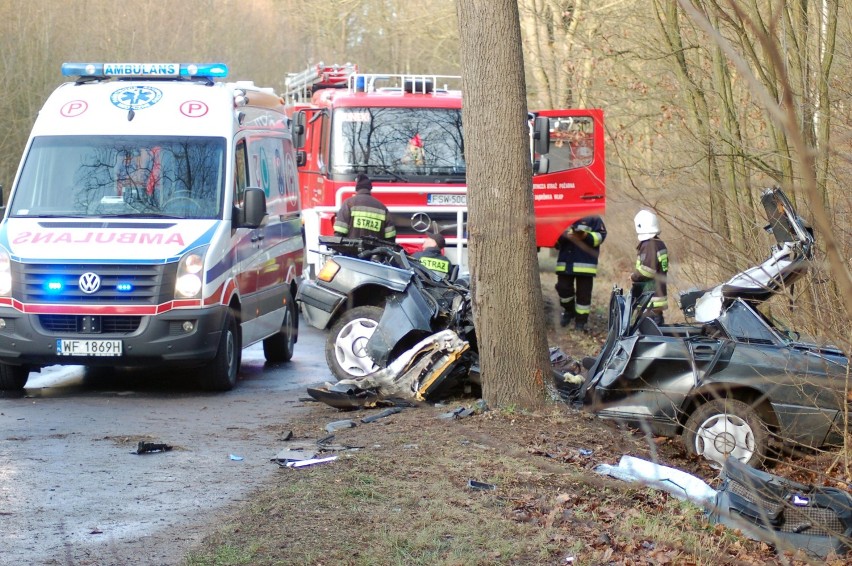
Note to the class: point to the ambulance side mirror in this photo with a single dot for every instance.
(253, 211)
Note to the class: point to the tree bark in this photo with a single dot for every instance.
(508, 305)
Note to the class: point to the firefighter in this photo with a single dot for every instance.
(363, 214)
(576, 267)
(652, 265)
(432, 255)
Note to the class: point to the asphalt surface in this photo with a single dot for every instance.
(73, 492)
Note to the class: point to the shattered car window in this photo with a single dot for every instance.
(743, 324)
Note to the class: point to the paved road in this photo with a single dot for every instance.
(71, 492)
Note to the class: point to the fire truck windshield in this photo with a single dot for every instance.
(399, 142)
(127, 176)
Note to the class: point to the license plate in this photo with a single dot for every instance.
(88, 347)
(446, 200)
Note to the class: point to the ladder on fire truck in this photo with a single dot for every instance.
(299, 87)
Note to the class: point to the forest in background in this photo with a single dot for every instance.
(685, 88)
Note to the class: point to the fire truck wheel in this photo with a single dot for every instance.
(221, 373)
(13, 378)
(345, 346)
(279, 347)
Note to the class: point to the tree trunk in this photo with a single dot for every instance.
(508, 305)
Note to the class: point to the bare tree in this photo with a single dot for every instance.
(508, 307)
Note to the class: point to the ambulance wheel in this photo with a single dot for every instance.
(345, 346)
(13, 378)
(280, 347)
(221, 373)
(724, 428)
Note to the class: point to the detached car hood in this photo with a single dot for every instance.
(787, 263)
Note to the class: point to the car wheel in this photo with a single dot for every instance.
(13, 378)
(280, 347)
(221, 373)
(724, 428)
(345, 347)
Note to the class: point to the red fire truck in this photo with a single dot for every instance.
(405, 132)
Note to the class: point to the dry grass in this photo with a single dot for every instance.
(403, 498)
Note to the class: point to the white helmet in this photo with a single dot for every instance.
(647, 225)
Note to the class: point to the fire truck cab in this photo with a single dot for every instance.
(405, 132)
(154, 222)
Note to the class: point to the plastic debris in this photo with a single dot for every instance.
(294, 455)
(481, 486)
(383, 414)
(677, 482)
(458, 413)
(311, 462)
(338, 425)
(585, 452)
(236, 458)
(151, 447)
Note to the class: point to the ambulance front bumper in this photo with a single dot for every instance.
(182, 338)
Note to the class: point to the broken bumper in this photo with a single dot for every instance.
(319, 305)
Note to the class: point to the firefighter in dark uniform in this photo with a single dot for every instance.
(576, 267)
(432, 257)
(364, 215)
(652, 265)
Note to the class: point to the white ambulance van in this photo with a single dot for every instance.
(153, 222)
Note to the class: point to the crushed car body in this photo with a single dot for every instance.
(417, 374)
(731, 383)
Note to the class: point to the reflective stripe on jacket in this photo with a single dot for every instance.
(364, 215)
(579, 247)
(651, 272)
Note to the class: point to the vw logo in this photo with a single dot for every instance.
(420, 222)
(90, 282)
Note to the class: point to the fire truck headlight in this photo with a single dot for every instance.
(5, 274)
(190, 275)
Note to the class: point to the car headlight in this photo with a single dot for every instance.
(5, 274)
(190, 274)
(328, 271)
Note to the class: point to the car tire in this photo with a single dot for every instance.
(279, 347)
(221, 373)
(344, 346)
(724, 428)
(13, 378)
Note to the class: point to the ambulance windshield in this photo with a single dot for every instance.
(400, 142)
(131, 176)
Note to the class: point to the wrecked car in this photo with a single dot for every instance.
(729, 382)
(377, 302)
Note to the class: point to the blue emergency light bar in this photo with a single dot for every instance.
(145, 70)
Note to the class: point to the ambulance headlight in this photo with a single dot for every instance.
(190, 275)
(5, 274)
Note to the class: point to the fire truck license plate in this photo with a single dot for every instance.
(442, 199)
(88, 347)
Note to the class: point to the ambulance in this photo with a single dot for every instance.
(154, 222)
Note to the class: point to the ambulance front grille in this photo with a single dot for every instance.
(125, 284)
(75, 324)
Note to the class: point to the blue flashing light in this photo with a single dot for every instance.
(53, 287)
(124, 287)
(143, 70)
